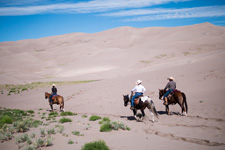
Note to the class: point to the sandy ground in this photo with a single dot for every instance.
(193, 55)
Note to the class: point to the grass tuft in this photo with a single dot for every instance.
(94, 118)
(96, 145)
(64, 120)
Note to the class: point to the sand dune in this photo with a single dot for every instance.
(193, 55)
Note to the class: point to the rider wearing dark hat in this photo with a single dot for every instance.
(171, 85)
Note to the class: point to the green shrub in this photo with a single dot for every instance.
(105, 119)
(30, 111)
(21, 126)
(67, 113)
(64, 120)
(70, 142)
(49, 141)
(42, 132)
(54, 114)
(60, 128)
(6, 119)
(40, 142)
(22, 138)
(5, 136)
(7, 128)
(106, 127)
(94, 118)
(96, 145)
(51, 131)
(77, 133)
(119, 125)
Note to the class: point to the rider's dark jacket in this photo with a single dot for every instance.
(54, 90)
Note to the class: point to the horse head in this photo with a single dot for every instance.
(126, 99)
(47, 95)
(161, 93)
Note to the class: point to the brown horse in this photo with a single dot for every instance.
(177, 97)
(59, 100)
(147, 103)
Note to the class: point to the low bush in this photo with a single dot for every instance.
(106, 127)
(67, 113)
(6, 119)
(40, 142)
(77, 133)
(51, 131)
(105, 119)
(64, 120)
(70, 142)
(96, 145)
(94, 118)
(60, 128)
(49, 141)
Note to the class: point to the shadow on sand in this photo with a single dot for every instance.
(171, 113)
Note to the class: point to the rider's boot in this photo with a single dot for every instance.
(166, 101)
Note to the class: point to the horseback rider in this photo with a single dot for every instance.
(171, 85)
(139, 90)
(54, 92)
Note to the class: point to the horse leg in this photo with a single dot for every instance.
(51, 107)
(167, 109)
(135, 112)
(143, 114)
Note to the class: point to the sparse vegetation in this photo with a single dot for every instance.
(15, 120)
(98, 145)
(77, 133)
(67, 113)
(107, 125)
(84, 116)
(16, 89)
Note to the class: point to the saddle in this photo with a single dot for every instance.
(141, 99)
(54, 101)
(172, 93)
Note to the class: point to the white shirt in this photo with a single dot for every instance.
(139, 88)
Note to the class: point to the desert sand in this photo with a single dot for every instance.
(194, 55)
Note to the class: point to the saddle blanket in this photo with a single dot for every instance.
(144, 98)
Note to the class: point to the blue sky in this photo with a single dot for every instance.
(32, 19)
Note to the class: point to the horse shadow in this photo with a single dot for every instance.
(128, 117)
(171, 113)
(52, 110)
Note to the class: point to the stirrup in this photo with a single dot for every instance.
(165, 103)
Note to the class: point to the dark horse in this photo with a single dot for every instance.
(59, 100)
(177, 97)
(141, 106)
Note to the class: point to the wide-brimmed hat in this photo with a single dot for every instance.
(170, 78)
(138, 81)
(53, 84)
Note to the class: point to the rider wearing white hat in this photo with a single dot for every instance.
(171, 85)
(139, 90)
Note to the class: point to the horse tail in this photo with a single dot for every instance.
(185, 102)
(153, 109)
